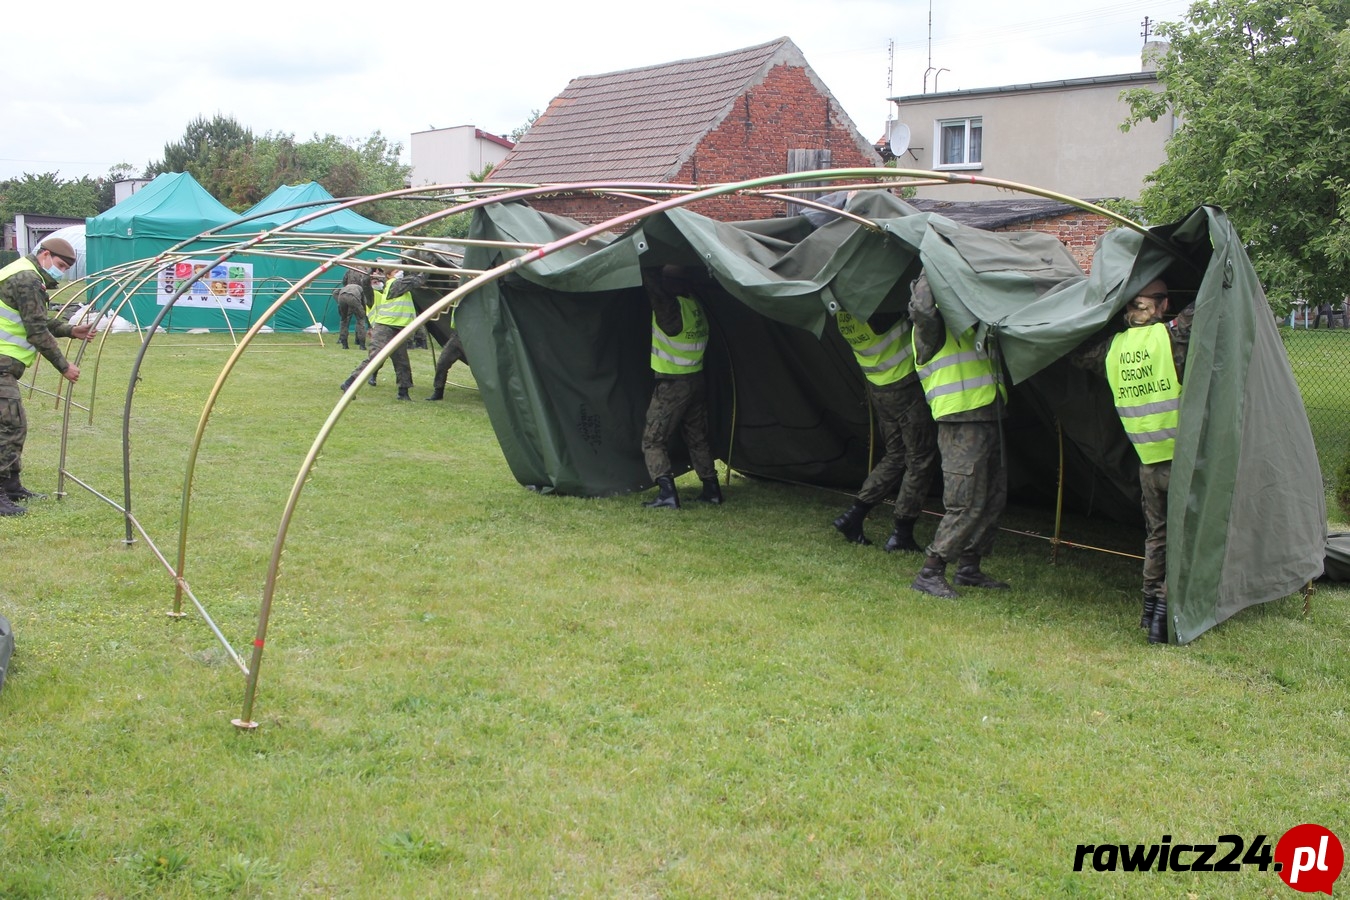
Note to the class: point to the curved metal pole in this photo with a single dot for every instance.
(528, 257)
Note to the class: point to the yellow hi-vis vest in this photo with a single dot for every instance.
(13, 335)
(392, 311)
(883, 358)
(685, 355)
(959, 378)
(1146, 390)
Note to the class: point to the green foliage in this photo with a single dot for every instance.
(239, 169)
(206, 147)
(48, 195)
(520, 131)
(1262, 89)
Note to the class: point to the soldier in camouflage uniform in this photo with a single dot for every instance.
(26, 329)
(907, 430)
(393, 311)
(351, 305)
(451, 352)
(679, 339)
(964, 390)
(1140, 402)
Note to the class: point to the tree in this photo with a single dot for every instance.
(521, 131)
(47, 195)
(1262, 89)
(204, 147)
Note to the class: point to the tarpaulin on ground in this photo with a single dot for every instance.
(560, 350)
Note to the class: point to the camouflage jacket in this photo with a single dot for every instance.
(26, 292)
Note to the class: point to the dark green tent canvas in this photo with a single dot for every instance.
(560, 351)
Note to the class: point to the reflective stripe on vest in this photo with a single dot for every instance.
(392, 311)
(885, 358)
(959, 378)
(13, 334)
(683, 355)
(1146, 390)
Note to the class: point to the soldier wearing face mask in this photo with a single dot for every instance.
(26, 329)
(1144, 365)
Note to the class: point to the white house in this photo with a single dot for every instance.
(1061, 135)
(452, 155)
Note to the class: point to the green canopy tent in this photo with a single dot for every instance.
(560, 352)
(285, 205)
(169, 210)
(174, 209)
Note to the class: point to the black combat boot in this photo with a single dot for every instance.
(712, 492)
(1150, 603)
(968, 574)
(1157, 626)
(346, 384)
(342, 342)
(9, 508)
(437, 392)
(17, 493)
(932, 579)
(667, 497)
(371, 381)
(850, 524)
(403, 394)
(902, 538)
(360, 345)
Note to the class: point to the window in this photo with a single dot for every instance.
(960, 143)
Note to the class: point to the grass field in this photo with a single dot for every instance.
(474, 690)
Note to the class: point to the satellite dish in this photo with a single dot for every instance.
(899, 137)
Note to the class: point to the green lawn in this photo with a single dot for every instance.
(473, 690)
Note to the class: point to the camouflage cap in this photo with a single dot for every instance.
(59, 247)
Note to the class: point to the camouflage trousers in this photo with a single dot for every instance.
(451, 352)
(379, 336)
(678, 404)
(13, 426)
(974, 489)
(910, 439)
(1153, 483)
(347, 311)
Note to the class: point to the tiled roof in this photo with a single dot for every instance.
(639, 124)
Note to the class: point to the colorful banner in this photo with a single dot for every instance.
(227, 286)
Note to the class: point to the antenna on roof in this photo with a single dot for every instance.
(1147, 23)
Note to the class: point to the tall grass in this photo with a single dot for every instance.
(473, 690)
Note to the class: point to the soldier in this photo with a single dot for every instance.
(1144, 365)
(451, 352)
(26, 330)
(351, 305)
(679, 339)
(907, 430)
(392, 312)
(965, 393)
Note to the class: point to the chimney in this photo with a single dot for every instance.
(1153, 51)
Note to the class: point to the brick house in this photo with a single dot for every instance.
(730, 117)
(1077, 229)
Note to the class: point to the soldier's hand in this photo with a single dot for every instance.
(84, 332)
(72, 373)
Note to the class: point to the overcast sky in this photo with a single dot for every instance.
(90, 86)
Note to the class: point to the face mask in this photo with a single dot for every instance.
(55, 272)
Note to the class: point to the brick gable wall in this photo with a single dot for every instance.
(784, 112)
(1078, 231)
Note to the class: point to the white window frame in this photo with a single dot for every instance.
(970, 123)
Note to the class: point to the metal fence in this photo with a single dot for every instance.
(1319, 351)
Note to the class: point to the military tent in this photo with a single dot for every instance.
(560, 352)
